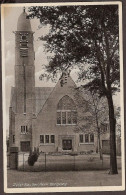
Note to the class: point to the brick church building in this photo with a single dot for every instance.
(44, 117)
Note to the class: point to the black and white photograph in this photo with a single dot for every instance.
(62, 93)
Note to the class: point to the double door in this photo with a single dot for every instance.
(67, 144)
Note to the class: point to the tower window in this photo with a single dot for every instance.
(24, 129)
(24, 52)
(13, 139)
(23, 45)
(23, 37)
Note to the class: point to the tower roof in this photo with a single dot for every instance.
(23, 22)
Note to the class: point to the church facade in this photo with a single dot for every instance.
(44, 117)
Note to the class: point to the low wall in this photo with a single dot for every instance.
(47, 148)
(86, 147)
(22, 159)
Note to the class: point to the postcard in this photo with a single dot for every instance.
(63, 99)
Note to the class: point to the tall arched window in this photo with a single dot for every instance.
(66, 111)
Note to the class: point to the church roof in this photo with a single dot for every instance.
(41, 95)
(23, 23)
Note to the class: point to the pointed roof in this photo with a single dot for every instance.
(23, 23)
(41, 95)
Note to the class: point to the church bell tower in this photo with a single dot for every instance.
(24, 66)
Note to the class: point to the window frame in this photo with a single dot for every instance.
(84, 138)
(58, 118)
(53, 139)
(42, 139)
(90, 137)
(23, 38)
(61, 117)
(64, 117)
(50, 139)
(69, 118)
(87, 134)
(81, 141)
(47, 139)
(24, 129)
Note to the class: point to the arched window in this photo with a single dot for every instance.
(66, 111)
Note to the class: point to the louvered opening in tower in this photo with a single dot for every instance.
(23, 52)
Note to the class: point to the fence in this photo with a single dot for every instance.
(22, 160)
(65, 162)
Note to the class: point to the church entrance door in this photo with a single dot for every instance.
(67, 144)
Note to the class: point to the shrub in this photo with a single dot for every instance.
(73, 153)
(33, 158)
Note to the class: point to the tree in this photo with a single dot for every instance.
(81, 35)
(118, 123)
(97, 117)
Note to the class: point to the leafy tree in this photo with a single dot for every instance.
(81, 35)
(93, 118)
(118, 123)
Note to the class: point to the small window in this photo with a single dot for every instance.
(92, 137)
(86, 138)
(25, 146)
(23, 37)
(41, 138)
(47, 138)
(58, 117)
(52, 139)
(81, 138)
(24, 129)
(13, 139)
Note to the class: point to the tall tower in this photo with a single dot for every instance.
(24, 66)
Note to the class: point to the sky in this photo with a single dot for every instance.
(11, 15)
